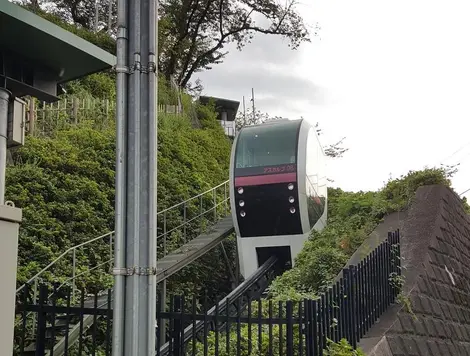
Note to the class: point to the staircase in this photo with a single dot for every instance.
(213, 208)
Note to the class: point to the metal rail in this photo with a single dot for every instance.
(260, 278)
(88, 320)
(163, 214)
(219, 206)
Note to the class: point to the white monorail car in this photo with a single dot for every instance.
(278, 190)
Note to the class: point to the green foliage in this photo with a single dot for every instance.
(400, 191)
(98, 85)
(342, 348)
(317, 266)
(351, 218)
(100, 39)
(65, 185)
(194, 34)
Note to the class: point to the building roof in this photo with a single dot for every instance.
(222, 104)
(40, 41)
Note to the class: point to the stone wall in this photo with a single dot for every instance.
(435, 245)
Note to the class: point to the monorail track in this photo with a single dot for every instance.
(236, 302)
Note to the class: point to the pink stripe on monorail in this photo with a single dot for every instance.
(265, 179)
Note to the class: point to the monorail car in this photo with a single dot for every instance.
(278, 190)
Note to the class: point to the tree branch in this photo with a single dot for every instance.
(193, 43)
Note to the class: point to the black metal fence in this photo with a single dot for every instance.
(346, 310)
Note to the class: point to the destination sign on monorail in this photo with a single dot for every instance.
(264, 170)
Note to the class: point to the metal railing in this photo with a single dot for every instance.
(346, 310)
(43, 118)
(180, 218)
(177, 225)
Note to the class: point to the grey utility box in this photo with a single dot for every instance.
(16, 122)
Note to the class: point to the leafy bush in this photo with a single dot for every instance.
(65, 186)
(351, 218)
(100, 39)
(341, 348)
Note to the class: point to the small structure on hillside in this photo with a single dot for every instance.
(226, 110)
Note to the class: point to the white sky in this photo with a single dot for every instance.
(393, 77)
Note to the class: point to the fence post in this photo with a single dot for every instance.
(75, 104)
(177, 328)
(225, 199)
(215, 204)
(290, 329)
(41, 330)
(35, 298)
(74, 264)
(32, 116)
(184, 222)
(201, 215)
(347, 305)
(353, 305)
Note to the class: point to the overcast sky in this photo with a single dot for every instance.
(393, 77)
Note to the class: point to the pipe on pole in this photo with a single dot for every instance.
(153, 167)
(136, 203)
(132, 293)
(4, 102)
(121, 175)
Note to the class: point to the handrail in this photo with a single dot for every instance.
(194, 197)
(60, 257)
(221, 306)
(111, 233)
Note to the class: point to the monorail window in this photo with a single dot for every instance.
(267, 145)
(315, 181)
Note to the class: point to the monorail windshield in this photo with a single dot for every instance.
(266, 145)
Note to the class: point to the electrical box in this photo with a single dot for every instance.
(16, 122)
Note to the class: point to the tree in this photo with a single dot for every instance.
(249, 118)
(195, 32)
(78, 12)
(335, 150)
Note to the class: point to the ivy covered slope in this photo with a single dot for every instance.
(351, 218)
(65, 185)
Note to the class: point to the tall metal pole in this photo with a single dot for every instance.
(110, 15)
(136, 208)
(153, 169)
(4, 101)
(253, 100)
(97, 15)
(244, 110)
(122, 69)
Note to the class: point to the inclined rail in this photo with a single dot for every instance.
(252, 288)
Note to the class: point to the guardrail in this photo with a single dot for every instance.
(177, 225)
(186, 221)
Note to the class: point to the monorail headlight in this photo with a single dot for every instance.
(290, 186)
(292, 210)
(291, 200)
(240, 190)
(241, 203)
(242, 214)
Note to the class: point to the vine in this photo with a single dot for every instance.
(397, 280)
(341, 348)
